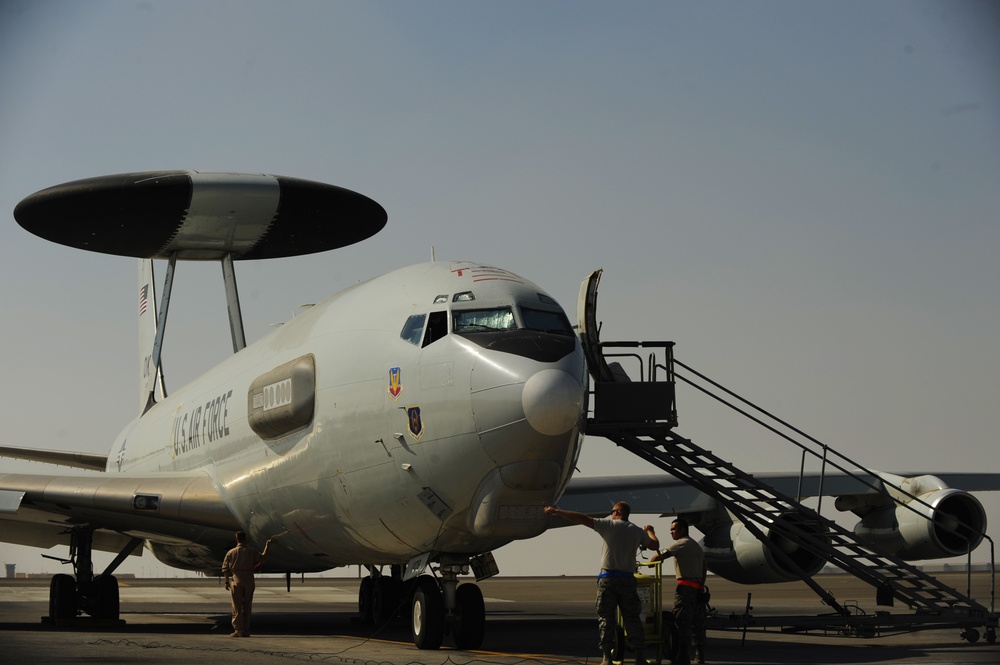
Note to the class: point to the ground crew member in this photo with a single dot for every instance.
(616, 588)
(690, 571)
(239, 565)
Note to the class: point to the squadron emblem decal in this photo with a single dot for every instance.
(395, 383)
(416, 425)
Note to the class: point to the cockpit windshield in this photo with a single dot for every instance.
(482, 320)
(546, 321)
(502, 318)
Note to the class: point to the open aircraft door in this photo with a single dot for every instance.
(588, 329)
(616, 398)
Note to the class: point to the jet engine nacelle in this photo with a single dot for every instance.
(187, 557)
(732, 551)
(944, 523)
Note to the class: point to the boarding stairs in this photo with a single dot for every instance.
(640, 416)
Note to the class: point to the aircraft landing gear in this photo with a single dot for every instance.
(428, 614)
(438, 604)
(83, 592)
(469, 620)
(62, 599)
(450, 607)
(379, 596)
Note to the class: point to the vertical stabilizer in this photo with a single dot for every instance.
(150, 376)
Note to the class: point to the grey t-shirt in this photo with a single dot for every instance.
(621, 540)
(689, 558)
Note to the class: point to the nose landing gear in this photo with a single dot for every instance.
(445, 606)
(438, 604)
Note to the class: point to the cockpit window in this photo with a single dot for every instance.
(437, 327)
(413, 328)
(482, 320)
(546, 321)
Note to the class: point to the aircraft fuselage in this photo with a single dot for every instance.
(434, 409)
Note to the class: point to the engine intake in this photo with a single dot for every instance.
(952, 523)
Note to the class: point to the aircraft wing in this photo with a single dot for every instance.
(89, 461)
(665, 495)
(40, 510)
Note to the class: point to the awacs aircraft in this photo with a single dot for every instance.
(415, 421)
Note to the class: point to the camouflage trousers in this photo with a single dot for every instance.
(619, 593)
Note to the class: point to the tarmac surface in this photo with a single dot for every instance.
(529, 620)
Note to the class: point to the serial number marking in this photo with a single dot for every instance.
(275, 395)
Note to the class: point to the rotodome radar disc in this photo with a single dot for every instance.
(200, 216)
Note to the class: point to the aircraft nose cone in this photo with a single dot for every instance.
(524, 410)
(552, 402)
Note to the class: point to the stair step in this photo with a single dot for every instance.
(746, 496)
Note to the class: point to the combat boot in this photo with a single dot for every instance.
(699, 656)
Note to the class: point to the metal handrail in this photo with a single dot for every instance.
(824, 457)
(651, 364)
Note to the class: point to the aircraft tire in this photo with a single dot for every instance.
(385, 597)
(108, 605)
(62, 598)
(470, 617)
(365, 593)
(428, 614)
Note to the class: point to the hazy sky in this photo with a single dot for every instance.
(804, 196)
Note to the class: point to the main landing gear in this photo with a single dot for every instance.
(438, 605)
(83, 592)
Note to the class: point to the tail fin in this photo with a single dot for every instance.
(150, 376)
